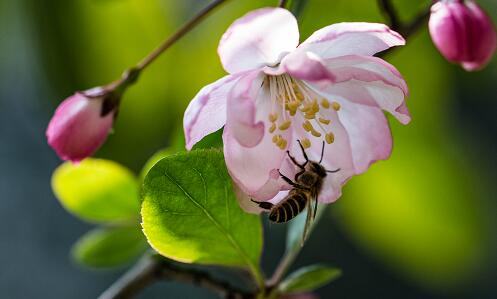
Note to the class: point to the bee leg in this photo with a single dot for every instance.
(290, 182)
(263, 204)
(315, 208)
(303, 152)
(294, 161)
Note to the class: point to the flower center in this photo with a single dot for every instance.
(290, 97)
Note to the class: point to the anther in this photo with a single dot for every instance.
(285, 125)
(306, 143)
(329, 138)
(315, 133)
(273, 117)
(307, 126)
(336, 106)
(272, 128)
(324, 121)
(276, 138)
(325, 104)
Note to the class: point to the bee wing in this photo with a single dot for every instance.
(308, 221)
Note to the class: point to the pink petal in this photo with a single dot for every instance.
(369, 134)
(352, 39)
(242, 119)
(255, 169)
(77, 129)
(303, 65)
(367, 69)
(257, 39)
(388, 96)
(206, 113)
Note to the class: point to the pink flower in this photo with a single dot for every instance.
(329, 88)
(81, 124)
(463, 33)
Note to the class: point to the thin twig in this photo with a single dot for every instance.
(151, 269)
(389, 11)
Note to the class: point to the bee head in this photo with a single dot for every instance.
(317, 168)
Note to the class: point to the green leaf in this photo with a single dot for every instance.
(309, 278)
(190, 213)
(97, 190)
(109, 247)
(159, 155)
(214, 140)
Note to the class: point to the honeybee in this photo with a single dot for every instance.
(307, 185)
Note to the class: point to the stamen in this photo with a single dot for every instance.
(285, 125)
(315, 133)
(329, 138)
(324, 121)
(307, 126)
(306, 143)
(336, 106)
(273, 117)
(325, 104)
(272, 128)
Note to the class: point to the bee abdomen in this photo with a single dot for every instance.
(288, 209)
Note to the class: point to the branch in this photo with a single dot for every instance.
(389, 11)
(151, 269)
(406, 30)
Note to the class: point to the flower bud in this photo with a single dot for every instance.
(463, 33)
(81, 124)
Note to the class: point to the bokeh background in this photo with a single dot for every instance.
(422, 225)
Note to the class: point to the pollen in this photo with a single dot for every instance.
(315, 133)
(324, 121)
(307, 126)
(306, 143)
(329, 137)
(325, 104)
(272, 128)
(336, 106)
(285, 125)
(273, 117)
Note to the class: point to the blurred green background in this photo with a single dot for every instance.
(421, 225)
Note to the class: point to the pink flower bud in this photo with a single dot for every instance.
(463, 33)
(81, 124)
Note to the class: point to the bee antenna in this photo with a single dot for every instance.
(322, 154)
(333, 171)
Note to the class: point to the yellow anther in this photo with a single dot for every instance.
(315, 106)
(315, 133)
(272, 128)
(329, 138)
(335, 106)
(325, 104)
(306, 143)
(276, 138)
(307, 126)
(293, 112)
(324, 121)
(282, 144)
(310, 115)
(273, 117)
(299, 96)
(293, 105)
(285, 125)
(306, 108)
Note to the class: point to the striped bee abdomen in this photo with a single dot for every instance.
(289, 207)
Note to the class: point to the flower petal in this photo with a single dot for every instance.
(387, 96)
(367, 69)
(303, 65)
(246, 126)
(206, 113)
(352, 39)
(255, 169)
(258, 38)
(369, 134)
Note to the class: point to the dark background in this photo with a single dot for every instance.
(421, 225)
